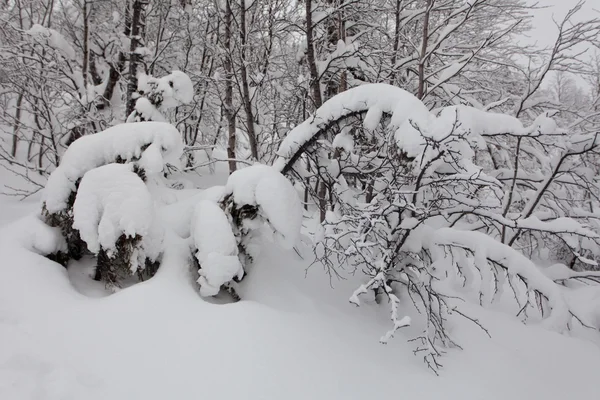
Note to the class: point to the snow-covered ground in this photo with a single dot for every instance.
(63, 336)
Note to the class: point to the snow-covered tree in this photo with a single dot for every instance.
(157, 95)
(114, 215)
(257, 202)
(144, 148)
(413, 211)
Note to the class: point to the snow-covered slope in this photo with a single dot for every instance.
(292, 337)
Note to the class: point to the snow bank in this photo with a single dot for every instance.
(58, 344)
(217, 248)
(275, 196)
(154, 143)
(37, 237)
(111, 201)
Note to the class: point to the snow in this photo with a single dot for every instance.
(53, 39)
(159, 339)
(147, 111)
(403, 106)
(176, 88)
(216, 247)
(216, 270)
(485, 247)
(126, 141)
(343, 140)
(60, 344)
(411, 122)
(111, 201)
(275, 196)
(211, 231)
(450, 70)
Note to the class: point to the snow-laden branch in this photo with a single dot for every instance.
(487, 250)
(379, 98)
(150, 143)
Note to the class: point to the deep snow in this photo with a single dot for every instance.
(292, 337)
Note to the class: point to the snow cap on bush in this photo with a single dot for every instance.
(216, 248)
(275, 197)
(162, 142)
(112, 201)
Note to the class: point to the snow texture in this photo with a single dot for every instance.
(487, 248)
(411, 122)
(403, 106)
(216, 247)
(60, 344)
(145, 110)
(175, 89)
(275, 196)
(130, 142)
(111, 201)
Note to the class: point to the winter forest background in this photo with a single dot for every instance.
(435, 162)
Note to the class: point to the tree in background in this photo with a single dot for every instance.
(497, 146)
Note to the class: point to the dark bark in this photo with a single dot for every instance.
(116, 70)
(245, 90)
(310, 57)
(396, 45)
(86, 51)
(424, 57)
(229, 111)
(15, 139)
(135, 59)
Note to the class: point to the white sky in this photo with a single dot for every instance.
(544, 29)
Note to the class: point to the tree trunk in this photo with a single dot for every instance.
(423, 57)
(229, 111)
(310, 57)
(86, 50)
(245, 90)
(396, 41)
(16, 125)
(135, 59)
(115, 70)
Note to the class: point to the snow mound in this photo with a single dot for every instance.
(36, 236)
(153, 143)
(217, 248)
(175, 89)
(111, 201)
(276, 198)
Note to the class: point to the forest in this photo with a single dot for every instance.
(429, 153)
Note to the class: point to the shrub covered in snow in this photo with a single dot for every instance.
(421, 201)
(217, 248)
(152, 144)
(114, 214)
(263, 194)
(160, 94)
(148, 145)
(257, 202)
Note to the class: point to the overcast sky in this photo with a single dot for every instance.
(544, 31)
